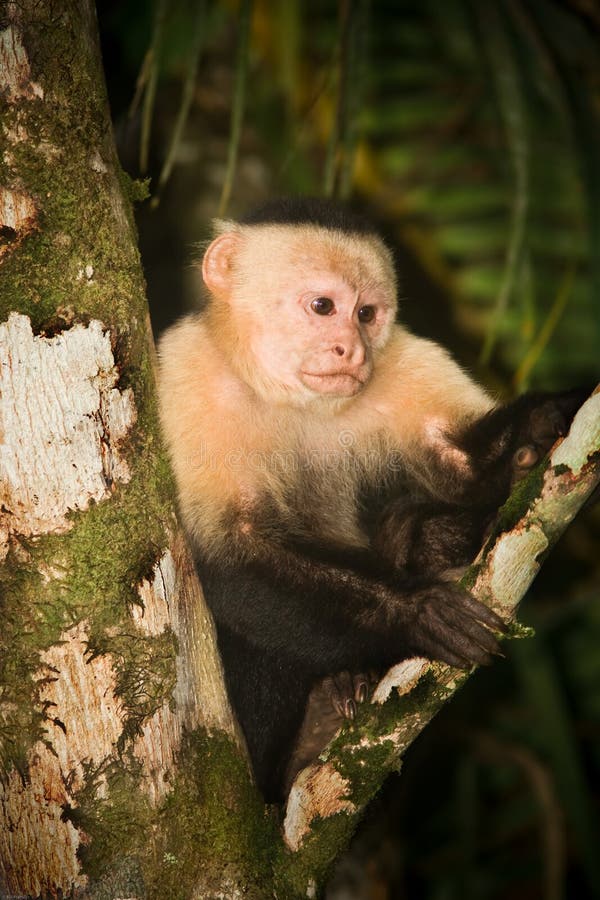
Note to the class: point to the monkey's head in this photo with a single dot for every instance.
(302, 307)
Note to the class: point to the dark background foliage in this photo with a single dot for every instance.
(470, 131)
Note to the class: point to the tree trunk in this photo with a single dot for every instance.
(109, 668)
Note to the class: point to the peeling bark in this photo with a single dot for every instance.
(63, 422)
(173, 600)
(200, 691)
(84, 723)
(18, 218)
(317, 793)
(37, 846)
(38, 849)
(14, 62)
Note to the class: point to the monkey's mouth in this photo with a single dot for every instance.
(341, 384)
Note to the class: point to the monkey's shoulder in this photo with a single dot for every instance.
(420, 391)
(192, 364)
(200, 397)
(216, 433)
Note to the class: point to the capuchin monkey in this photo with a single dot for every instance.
(332, 469)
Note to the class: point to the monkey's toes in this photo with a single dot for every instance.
(331, 702)
(346, 690)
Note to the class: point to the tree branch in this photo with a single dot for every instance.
(328, 798)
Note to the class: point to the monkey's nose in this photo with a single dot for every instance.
(353, 352)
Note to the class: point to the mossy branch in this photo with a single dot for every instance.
(328, 799)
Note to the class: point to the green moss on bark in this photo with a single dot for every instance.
(521, 498)
(99, 565)
(78, 263)
(116, 817)
(214, 826)
(363, 753)
(297, 872)
(212, 829)
(81, 262)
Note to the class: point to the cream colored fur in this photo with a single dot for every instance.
(234, 437)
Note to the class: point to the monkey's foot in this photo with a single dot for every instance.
(330, 703)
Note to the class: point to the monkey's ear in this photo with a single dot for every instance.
(217, 264)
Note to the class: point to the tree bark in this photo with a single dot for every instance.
(112, 704)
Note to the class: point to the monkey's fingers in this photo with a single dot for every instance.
(364, 685)
(342, 694)
(457, 629)
(480, 611)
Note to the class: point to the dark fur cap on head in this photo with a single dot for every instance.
(310, 211)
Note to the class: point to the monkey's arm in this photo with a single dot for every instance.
(508, 441)
(501, 447)
(346, 618)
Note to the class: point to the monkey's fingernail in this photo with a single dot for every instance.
(339, 706)
(361, 693)
(350, 710)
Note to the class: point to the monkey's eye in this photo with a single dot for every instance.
(366, 314)
(323, 306)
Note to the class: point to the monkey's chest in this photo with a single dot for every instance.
(310, 482)
(315, 496)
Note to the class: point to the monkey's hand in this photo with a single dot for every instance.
(542, 425)
(446, 623)
(504, 445)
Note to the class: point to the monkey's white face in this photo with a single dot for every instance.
(319, 333)
(314, 307)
